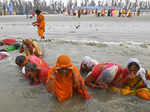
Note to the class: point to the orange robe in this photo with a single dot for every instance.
(64, 85)
(41, 24)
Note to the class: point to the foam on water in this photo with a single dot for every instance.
(92, 43)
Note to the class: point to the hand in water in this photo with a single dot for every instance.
(103, 85)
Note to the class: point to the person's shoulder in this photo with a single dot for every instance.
(75, 67)
(41, 15)
(124, 71)
(34, 43)
(33, 57)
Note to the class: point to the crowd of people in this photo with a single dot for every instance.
(103, 12)
(64, 79)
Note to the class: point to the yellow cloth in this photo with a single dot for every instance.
(124, 91)
(32, 46)
(37, 51)
(26, 53)
(27, 48)
(134, 88)
(143, 93)
(137, 82)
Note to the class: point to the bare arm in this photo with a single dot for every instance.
(50, 83)
(76, 78)
(122, 80)
(34, 23)
(90, 81)
(39, 19)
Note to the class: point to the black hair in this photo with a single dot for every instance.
(1, 43)
(17, 45)
(38, 11)
(31, 67)
(133, 63)
(3, 50)
(20, 60)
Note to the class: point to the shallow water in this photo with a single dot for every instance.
(104, 39)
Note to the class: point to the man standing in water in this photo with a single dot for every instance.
(40, 23)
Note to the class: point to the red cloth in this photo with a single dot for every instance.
(38, 61)
(3, 55)
(9, 41)
(118, 74)
(125, 74)
(43, 73)
(96, 72)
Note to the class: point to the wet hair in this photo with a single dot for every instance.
(1, 43)
(31, 67)
(134, 63)
(38, 11)
(20, 60)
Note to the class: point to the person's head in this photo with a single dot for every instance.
(20, 61)
(38, 12)
(27, 41)
(87, 64)
(31, 70)
(1, 43)
(17, 45)
(133, 66)
(63, 64)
